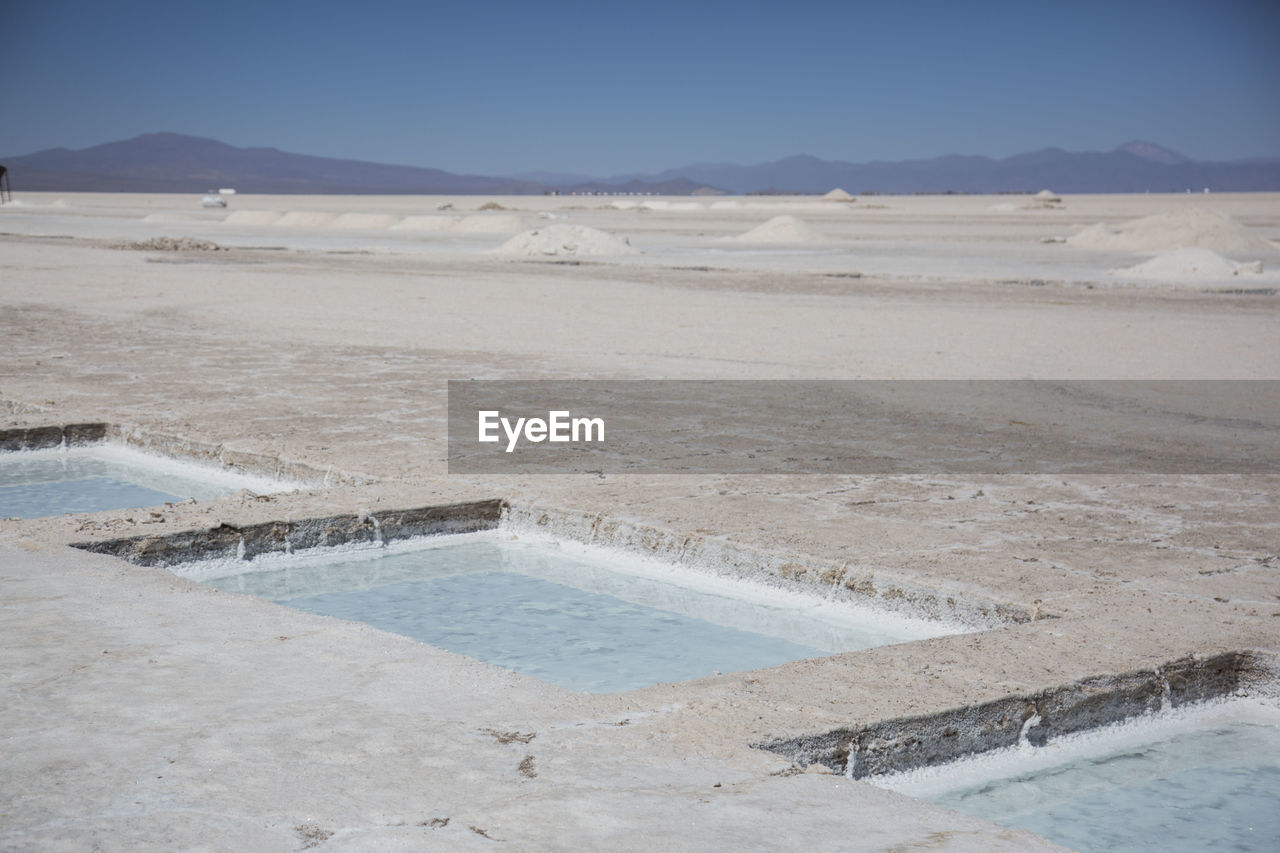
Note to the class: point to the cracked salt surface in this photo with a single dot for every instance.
(585, 618)
(1198, 778)
(96, 478)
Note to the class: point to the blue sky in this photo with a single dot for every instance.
(604, 87)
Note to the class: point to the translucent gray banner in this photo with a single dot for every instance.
(864, 427)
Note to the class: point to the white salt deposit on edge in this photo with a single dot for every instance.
(305, 219)
(780, 229)
(496, 223)
(1193, 227)
(574, 240)
(425, 222)
(196, 479)
(253, 217)
(1129, 735)
(817, 205)
(1047, 195)
(1189, 264)
(365, 221)
(168, 217)
(803, 617)
(838, 194)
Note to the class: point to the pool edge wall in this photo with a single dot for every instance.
(835, 580)
(175, 447)
(248, 541)
(909, 743)
(44, 437)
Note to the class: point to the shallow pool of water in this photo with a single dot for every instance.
(581, 618)
(97, 478)
(1204, 781)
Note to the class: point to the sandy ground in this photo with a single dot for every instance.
(142, 711)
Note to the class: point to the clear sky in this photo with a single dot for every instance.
(605, 87)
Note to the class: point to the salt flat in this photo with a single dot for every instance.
(143, 711)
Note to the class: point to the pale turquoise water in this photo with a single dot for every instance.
(567, 619)
(84, 494)
(98, 478)
(1217, 789)
(582, 640)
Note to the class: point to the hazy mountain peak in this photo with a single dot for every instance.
(1154, 153)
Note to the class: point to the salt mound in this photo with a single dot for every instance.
(1096, 236)
(1194, 264)
(425, 223)
(253, 217)
(1193, 227)
(364, 221)
(576, 240)
(1047, 195)
(305, 219)
(780, 229)
(502, 223)
(838, 194)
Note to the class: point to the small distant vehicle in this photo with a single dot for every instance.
(213, 200)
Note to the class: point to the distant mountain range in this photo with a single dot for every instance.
(170, 162)
(1132, 168)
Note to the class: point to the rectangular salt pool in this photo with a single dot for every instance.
(1196, 779)
(101, 477)
(579, 617)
